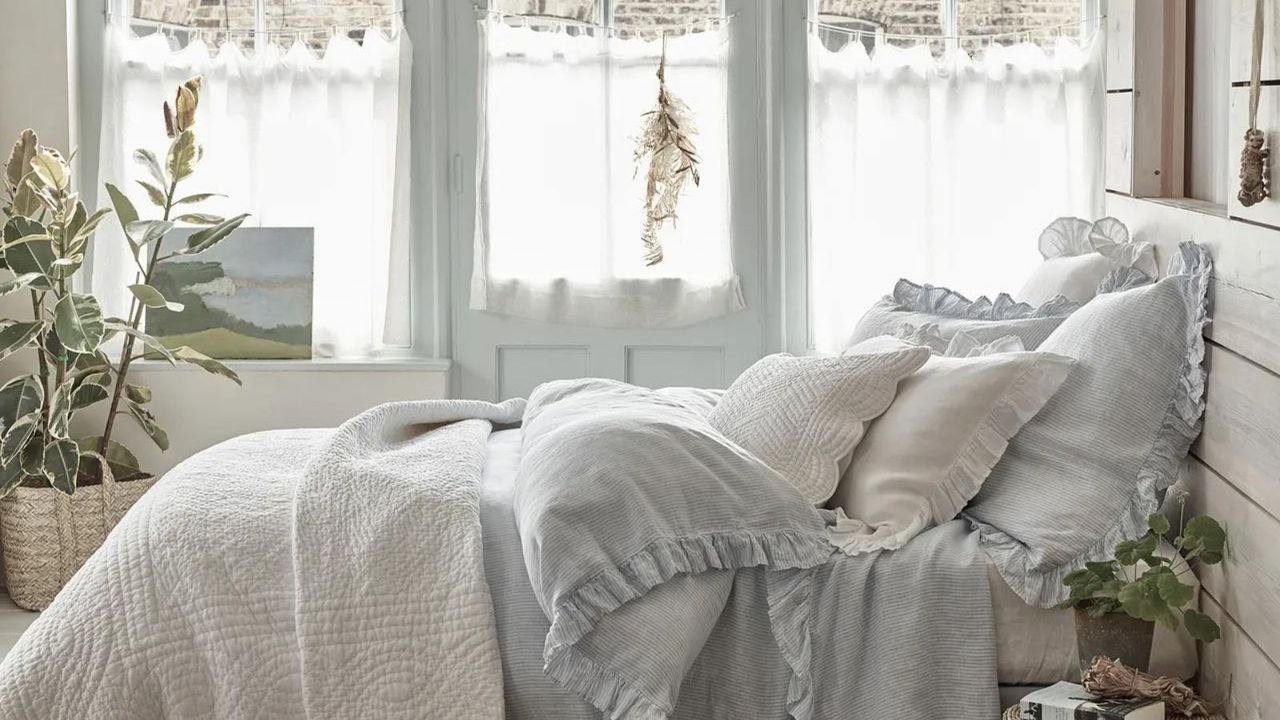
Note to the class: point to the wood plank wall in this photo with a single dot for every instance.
(1234, 471)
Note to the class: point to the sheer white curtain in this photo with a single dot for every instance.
(298, 140)
(943, 170)
(558, 231)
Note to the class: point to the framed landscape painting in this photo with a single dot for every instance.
(246, 298)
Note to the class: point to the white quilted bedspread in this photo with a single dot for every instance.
(287, 574)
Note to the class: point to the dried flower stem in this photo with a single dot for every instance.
(666, 140)
(1112, 679)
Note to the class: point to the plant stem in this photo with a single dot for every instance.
(37, 314)
(136, 310)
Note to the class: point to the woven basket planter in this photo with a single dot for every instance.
(47, 535)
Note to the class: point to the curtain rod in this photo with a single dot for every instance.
(166, 25)
(976, 36)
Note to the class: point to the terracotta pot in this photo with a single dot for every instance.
(1114, 635)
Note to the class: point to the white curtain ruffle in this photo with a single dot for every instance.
(561, 204)
(295, 139)
(943, 170)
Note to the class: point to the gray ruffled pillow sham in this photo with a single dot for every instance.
(984, 319)
(1086, 471)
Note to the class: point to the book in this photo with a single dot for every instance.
(1069, 701)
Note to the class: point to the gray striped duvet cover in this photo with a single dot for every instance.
(905, 634)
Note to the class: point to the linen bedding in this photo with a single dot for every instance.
(267, 577)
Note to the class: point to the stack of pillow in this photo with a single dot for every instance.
(1054, 427)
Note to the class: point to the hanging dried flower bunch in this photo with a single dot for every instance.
(666, 140)
(1254, 158)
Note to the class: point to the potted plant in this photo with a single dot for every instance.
(49, 528)
(1117, 602)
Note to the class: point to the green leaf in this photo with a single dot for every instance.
(200, 219)
(204, 239)
(18, 397)
(78, 321)
(91, 223)
(16, 436)
(61, 464)
(195, 357)
(88, 394)
(60, 409)
(49, 166)
(148, 231)
(33, 255)
(1158, 523)
(152, 298)
(154, 194)
(146, 339)
(1101, 607)
(1201, 626)
(11, 476)
(122, 462)
(1204, 539)
(196, 198)
(148, 160)
(17, 336)
(1103, 570)
(149, 425)
(140, 394)
(24, 151)
(125, 211)
(1141, 599)
(182, 156)
(1173, 590)
(1132, 552)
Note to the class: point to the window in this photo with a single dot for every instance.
(564, 195)
(903, 22)
(303, 120)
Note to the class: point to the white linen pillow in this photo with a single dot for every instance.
(926, 457)
(803, 416)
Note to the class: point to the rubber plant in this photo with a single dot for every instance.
(47, 232)
(1144, 585)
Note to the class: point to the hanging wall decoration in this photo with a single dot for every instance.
(666, 139)
(1254, 159)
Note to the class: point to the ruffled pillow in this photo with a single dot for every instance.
(950, 312)
(1085, 473)
(922, 460)
(1080, 255)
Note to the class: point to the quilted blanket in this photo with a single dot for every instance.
(286, 575)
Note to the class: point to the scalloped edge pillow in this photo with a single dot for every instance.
(803, 416)
(1088, 469)
(925, 458)
(1079, 255)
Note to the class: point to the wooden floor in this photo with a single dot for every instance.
(13, 621)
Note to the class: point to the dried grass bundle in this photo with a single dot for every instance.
(1112, 679)
(666, 139)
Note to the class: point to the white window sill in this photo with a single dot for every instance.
(323, 365)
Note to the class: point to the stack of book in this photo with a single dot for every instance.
(1068, 701)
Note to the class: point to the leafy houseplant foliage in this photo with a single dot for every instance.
(47, 232)
(1157, 593)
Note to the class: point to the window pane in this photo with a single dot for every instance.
(582, 10)
(314, 21)
(650, 16)
(185, 20)
(879, 21)
(1044, 20)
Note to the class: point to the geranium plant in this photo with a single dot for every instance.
(47, 232)
(1143, 584)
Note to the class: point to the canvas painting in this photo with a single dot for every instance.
(246, 298)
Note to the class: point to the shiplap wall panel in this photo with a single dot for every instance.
(1242, 12)
(1235, 671)
(1241, 437)
(1246, 291)
(1120, 19)
(521, 368)
(1119, 149)
(1247, 583)
(675, 365)
(1267, 211)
